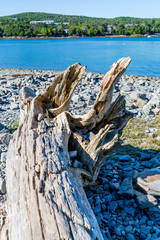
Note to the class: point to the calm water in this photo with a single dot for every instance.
(98, 54)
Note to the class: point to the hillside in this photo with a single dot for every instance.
(82, 19)
(65, 25)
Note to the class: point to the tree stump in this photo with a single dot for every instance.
(46, 199)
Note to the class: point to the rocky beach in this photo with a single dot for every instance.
(126, 196)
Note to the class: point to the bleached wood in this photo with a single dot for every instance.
(45, 192)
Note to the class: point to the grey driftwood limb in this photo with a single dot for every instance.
(46, 199)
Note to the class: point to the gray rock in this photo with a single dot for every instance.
(143, 220)
(5, 130)
(130, 210)
(108, 198)
(126, 88)
(2, 186)
(113, 205)
(124, 158)
(73, 154)
(75, 98)
(149, 180)
(40, 117)
(126, 188)
(153, 130)
(115, 186)
(142, 236)
(154, 213)
(14, 106)
(128, 229)
(117, 231)
(145, 156)
(146, 110)
(5, 138)
(2, 126)
(151, 135)
(155, 160)
(131, 174)
(130, 236)
(49, 123)
(140, 103)
(97, 209)
(146, 201)
(134, 95)
(3, 157)
(77, 164)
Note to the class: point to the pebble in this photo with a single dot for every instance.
(3, 157)
(126, 188)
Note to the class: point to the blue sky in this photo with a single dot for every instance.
(93, 8)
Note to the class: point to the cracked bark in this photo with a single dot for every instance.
(46, 199)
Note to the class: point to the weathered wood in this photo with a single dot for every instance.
(45, 192)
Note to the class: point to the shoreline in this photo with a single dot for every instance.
(79, 37)
(40, 71)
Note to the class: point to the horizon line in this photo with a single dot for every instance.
(82, 15)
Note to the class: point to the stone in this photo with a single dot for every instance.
(2, 186)
(73, 154)
(153, 130)
(50, 123)
(126, 188)
(142, 236)
(5, 138)
(149, 180)
(115, 186)
(155, 161)
(117, 231)
(134, 95)
(97, 209)
(154, 213)
(140, 103)
(151, 135)
(128, 229)
(130, 236)
(155, 101)
(5, 130)
(130, 210)
(2, 126)
(126, 88)
(124, 158)
(14, 106)
(75, 98)
(144, 156)
(121, 203)
(113, 205)
(146, 201)
(146, 110)
(77, 164)
(40, 117)
(108, 198)
(156, 111)
(3, 157)
(131, 174)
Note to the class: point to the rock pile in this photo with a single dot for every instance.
(126, 196)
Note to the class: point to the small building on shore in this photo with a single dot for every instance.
(44, 21)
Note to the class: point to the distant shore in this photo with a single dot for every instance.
(24, 71)
(76, 37)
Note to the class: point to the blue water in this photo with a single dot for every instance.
(98, 54)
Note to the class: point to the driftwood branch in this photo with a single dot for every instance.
(46, 199)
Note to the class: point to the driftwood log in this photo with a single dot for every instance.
(46, 199)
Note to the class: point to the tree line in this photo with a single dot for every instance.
(19, 25)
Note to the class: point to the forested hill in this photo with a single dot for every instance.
(37, 16)
(65, 25)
